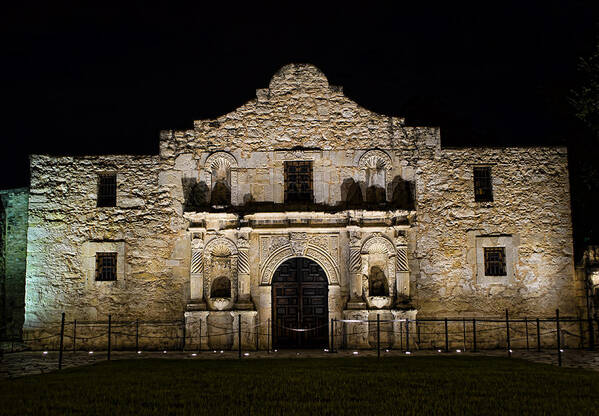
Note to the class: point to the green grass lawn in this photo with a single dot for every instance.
(352, 386)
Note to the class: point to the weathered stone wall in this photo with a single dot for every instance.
(65, 227)
(13, 251)
(300, 117)
(531, 208)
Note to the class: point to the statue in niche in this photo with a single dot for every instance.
(195, 194)
(377, 282)
(402, 196)
(221, 288)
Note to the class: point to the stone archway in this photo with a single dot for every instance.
(300, 305)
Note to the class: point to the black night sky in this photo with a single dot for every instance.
(106, 79)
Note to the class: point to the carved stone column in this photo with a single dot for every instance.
(356, 300)
(197, 275)
(243, 274)
(402, 272)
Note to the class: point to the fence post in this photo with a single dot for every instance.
(464, 327)
(408, 334)
(137, 334)
(239, 337)
(526, 328)
(446, 337)
(74, 335)
(591, 333)
(474, 334)
(109, 335)
(538, 336)
(268, 337)
(581, 332)
(200, 341)
(559, 350)
(257, 336)
(378, 336)
(331, 348)
(184, 336)
(417, 332)
(507, 328)
(400, 336)
(61, 341)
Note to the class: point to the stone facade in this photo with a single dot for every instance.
(13, 251)
(201, 228)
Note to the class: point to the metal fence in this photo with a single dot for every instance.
(407, 335)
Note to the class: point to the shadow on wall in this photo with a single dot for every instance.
(354, 195)
(358, 195)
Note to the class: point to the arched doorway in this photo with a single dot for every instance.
(300, 301)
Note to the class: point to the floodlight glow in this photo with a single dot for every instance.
(247, 354)
(164, 352)
(386, 350)
(355, 353)
(461, 350)
(139, 352)
(221, 351)
(91, 352)
(194, 354)
(408, 353)
(45, 353)
(511, 351)
(561, 350)
(438, 350)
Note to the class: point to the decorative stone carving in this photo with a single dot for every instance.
(320, 256)
(197, 272)
(375, 158)
(298, 242)
(222, 160)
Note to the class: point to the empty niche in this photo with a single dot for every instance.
(221, 287)
(375, 166)
(377, 282)
(221, 177)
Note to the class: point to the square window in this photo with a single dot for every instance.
(105, 267)
(483, 184)
(495, 261)
(298, 181)
(107, 190)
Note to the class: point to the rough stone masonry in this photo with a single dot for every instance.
(297, 208)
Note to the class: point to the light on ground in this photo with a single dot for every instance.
(45, 353)
(408, 353)
(355, 353)
(91, 352)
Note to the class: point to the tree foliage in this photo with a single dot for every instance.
(585, 99)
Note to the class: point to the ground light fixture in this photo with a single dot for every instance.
(194, 354)
(408, 353)
(461, 350)
(139, 352)
(355, 353)
(247, 354)
(164, 352)
(45, 353)
(90, 353)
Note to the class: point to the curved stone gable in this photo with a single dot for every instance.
(298, 109)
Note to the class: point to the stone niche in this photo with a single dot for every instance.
(220, 280)
(378, 272)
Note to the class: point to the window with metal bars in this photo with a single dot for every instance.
(107, 190)
(495, 261)
(105, 267)
(298, 181)
(483, 184)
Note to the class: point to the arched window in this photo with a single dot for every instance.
(221, 288)
(377, 282)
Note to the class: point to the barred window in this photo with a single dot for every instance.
(107, 190)
(483, 185)
(298, 181)
(495, 261)
(105, 266)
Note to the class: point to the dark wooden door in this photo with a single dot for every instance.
(300, 305)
